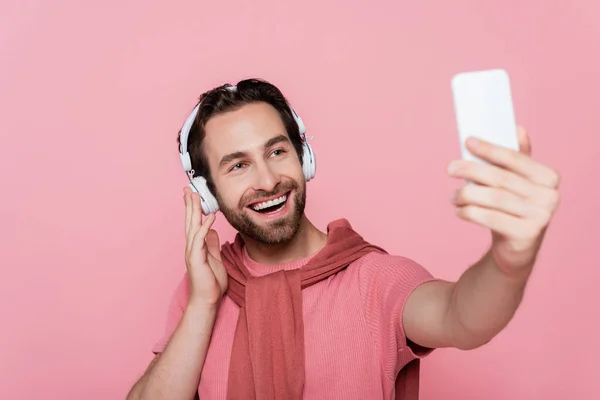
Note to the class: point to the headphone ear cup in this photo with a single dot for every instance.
(309, 165)
(207, 200)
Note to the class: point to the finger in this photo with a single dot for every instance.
(547, 198)
(499, 222)
(514, 161)
(196, 219)
(198, 241)
(538, 207)
(503, 201)
(491, 175)
(212, 243)
(493, 198)
(205, 227)
(524, 141)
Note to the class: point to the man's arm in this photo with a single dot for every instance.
(464, 314)
(175, 373)
(514, 197)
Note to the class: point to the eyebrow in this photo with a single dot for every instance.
(241, 154)
(277, 139)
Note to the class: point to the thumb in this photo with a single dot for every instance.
(524, 142)
(212, 244)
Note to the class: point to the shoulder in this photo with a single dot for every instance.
(388, 265)
(389, 278)
(385, 283)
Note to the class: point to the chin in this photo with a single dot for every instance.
(276, 221)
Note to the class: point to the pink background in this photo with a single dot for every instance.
(92, 96)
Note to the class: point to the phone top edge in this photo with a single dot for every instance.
(456, 78)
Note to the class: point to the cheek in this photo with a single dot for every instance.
(293, 169)
(229, 195)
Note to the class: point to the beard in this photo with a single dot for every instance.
(274, 232)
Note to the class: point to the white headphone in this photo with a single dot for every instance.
(198, 184)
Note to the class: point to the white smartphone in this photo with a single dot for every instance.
(484, 109)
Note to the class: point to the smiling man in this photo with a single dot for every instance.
(287, 311)
(272, 212)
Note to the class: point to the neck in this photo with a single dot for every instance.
(309, 240)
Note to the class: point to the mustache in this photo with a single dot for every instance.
(279, 189)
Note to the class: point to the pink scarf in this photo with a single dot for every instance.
(267, 360)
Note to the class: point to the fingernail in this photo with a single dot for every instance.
(474, 142)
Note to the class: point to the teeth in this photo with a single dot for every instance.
(269, 203)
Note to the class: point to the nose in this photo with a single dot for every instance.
(265, 178)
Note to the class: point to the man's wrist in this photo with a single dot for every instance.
(202, 309)
(518, 276)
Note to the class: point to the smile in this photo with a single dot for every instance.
(272, 205)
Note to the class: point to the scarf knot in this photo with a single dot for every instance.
(267, 359)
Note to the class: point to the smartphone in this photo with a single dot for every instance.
(484, 109)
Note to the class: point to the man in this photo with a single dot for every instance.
(290, 312)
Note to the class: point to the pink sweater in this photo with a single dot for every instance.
(354, 339)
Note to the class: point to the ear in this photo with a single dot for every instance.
(524, 142)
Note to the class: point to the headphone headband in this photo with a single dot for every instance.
(199, 185)
(186, 160)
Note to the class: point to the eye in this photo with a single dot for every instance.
(278, 152)
(237, 166)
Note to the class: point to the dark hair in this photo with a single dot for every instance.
(221, 100)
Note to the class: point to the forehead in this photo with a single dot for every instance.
(245, 129)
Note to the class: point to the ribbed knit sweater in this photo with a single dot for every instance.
(354, 339)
